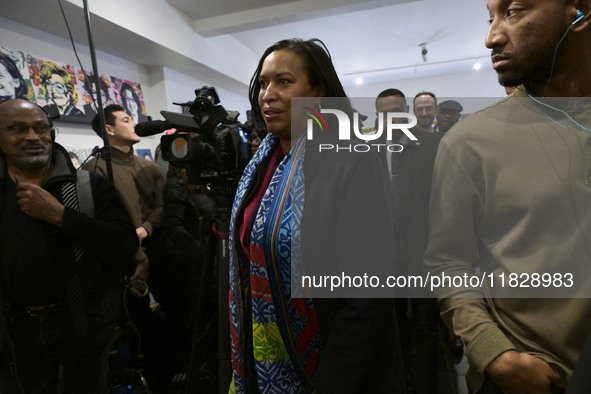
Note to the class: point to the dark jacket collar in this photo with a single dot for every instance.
(63, 169)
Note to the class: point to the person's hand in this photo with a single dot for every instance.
(142, 270)
(39, 203)
(522, 373)
(141, 233)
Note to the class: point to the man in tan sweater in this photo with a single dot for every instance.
(511, 192)
(140, 182)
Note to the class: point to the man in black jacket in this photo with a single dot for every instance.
(411, 170)
(63, 244)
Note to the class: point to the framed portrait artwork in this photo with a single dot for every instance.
(64, 91)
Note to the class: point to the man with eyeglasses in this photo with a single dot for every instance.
(60, 89)
(57, 277)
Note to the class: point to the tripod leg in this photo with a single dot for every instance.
(222, 233)
(200, 321)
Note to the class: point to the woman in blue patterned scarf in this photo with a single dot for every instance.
(280, 343)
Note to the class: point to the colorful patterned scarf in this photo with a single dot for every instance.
(286, 337)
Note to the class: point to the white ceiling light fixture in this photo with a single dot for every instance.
(477, 65)
(359, 80)
(424, 51)
(417, 67)
(438, 35)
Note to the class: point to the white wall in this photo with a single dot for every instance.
(474, 90)
(180, 88)
(38, 43)
(160, 86)
(161, 23)
(480, 83)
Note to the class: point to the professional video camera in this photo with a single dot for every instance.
(208, 141)
(212, 147)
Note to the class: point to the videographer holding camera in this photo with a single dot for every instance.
(206, 155)
(140, 183)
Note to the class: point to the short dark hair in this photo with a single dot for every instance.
(424, 93)
(21, 91)
(109, 118)
(390, 93)
(317, 64)
(125, 86)
(102, 86)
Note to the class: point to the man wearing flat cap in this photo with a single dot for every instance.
(448, 115)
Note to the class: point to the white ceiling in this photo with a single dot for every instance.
(376, 40)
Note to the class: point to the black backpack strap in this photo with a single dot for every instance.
(85, 199)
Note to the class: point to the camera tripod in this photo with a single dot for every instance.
(216, 260)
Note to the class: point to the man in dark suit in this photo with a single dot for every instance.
(411, 170)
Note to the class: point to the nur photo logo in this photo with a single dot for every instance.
(359, 141)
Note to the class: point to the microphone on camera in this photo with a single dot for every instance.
(152, 127)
